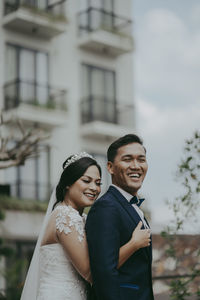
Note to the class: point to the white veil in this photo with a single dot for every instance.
(32, 279)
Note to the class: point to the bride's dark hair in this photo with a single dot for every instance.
(71, 174)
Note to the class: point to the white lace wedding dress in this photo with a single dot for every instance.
(58, 279)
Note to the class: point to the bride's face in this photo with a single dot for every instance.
(85, 190)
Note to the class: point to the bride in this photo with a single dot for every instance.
(60, 265)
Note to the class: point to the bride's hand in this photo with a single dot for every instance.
(141, 237)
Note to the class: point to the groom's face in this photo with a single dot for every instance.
(129, 167)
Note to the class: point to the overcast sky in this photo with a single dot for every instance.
(167, 90)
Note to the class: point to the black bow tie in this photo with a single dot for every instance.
(136, 200)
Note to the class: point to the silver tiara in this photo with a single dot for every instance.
(76, 157)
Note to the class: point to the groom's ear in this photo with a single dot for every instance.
(110, 167)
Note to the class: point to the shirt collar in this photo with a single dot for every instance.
(124, 193)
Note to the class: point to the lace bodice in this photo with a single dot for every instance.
(67, 217)
(58, 277)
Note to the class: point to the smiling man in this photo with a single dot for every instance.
(113, 220)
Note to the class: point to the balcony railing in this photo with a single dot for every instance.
(98, 109)
(55, 9)
(106, 110)
(94, 19)
(27, 92)
(31, 190)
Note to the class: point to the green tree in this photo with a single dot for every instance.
(185, 208)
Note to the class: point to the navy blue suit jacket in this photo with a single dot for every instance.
(110, 224)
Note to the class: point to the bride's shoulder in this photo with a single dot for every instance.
(68, 218)
(67, 211)
(62, 208)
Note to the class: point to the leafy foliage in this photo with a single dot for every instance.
(185, 209)
(14, 203)
(13, 285)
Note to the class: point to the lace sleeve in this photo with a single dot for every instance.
(68, 218)
(71, 235)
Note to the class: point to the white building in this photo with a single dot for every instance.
(66, 67)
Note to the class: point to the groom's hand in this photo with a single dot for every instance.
(141, 237)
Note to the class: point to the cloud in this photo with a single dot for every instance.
(167, 58)
(154, 120)
(164, 133)
(163, 22)
(167, 97)
(194, 14)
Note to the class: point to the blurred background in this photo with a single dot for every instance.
(84, 73)
(166, 90)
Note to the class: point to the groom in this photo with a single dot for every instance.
(111, 222)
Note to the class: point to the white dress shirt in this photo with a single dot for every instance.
(128, 198)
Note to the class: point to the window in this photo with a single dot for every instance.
(32, 180)
(98, 90)
(96, 14)
(55, 7)
(102, 15)
(107, 5)
(26, 77)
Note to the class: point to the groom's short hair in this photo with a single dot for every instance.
(122, 141)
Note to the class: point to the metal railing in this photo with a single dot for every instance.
(94, 19)
(27, 92)
(96, 108)
(56, 9)
(30, 190)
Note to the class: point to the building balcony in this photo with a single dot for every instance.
(30, 190)
(36, 18)
(102, 118)
(36, 103)
(104, 32)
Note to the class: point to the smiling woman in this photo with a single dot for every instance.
(81, 175)
(61, 260)
(85, 190)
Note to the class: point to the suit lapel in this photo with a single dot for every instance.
(126, 205)
(131, 212)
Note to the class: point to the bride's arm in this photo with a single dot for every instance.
(76, 248)
(140, 239)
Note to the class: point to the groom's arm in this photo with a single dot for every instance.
(103, 236)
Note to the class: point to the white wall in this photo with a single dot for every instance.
(65, 73)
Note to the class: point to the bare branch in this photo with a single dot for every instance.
(15, 152)
(19, 122)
